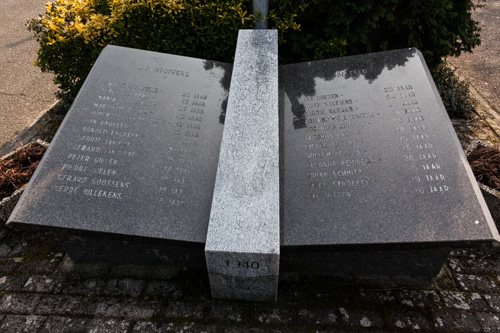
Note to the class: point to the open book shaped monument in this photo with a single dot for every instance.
(346, 165)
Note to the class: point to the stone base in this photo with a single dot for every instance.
(396, 261)
(132, 250)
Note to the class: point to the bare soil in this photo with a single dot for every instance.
(485, 163)
(16, 170)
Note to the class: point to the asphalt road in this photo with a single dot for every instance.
(25, 92)
(481, 67)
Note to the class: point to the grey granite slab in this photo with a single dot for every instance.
(243, 240)
(371, 162)
(135, 157)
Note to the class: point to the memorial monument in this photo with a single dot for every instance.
(173, 160)
(130, 174)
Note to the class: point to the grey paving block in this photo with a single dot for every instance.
(12, 282)
(477, 283)
(19, 303)
(60, 305)
(124, 287)
(382, 297)
(38, 266)
(186, 310)
(185, 327)
(17, 324)
(420, 298)
(154, 327)
(243, 239)
(244, 329)
(42, 284)
(105, 306)
(228, 312)
(455, 321)
(317, 316)
(108, 326)
(493, 302)
(359, 317)
(139, 309)
(463, 300)
(490, 322)
(91, 286)
(64, 324)
(163, 289)
(276, 314)
(410, 320)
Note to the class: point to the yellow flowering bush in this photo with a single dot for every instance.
(72, 33)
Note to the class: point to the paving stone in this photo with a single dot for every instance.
(154, 327)
(105, 306)
(82, 269)
(482, 266)
(17, 324)
(192, 327)
(274, 314)
(408, 320)
(12, 282)
(383, 297)
(317, 316)
(8, 266)
(124, 287)
(92, 286)
(42, 284)
(187, 309)
(456, 321)
(420, 298)
(161, 288)
(244, 329)
(225, 311)
(490, 322)
(494, 302)
(457, 265)
(139, 309)
(64, 324)
(60, 305)
(5, 250)
(444, 280)
(4, 231)
(476, 283)
(455, 299)
(108, 326)
(358, 317)
(18, 303)
(38, 266)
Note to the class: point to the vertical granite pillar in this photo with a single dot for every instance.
(243, 240)
(260, 8)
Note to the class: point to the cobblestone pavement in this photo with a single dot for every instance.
(44, 291)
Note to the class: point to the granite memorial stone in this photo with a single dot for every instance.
(243, 239)
(375, 180)
(129, 176)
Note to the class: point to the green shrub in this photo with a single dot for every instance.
(454, 92)
(438, 28)
(71, 33)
